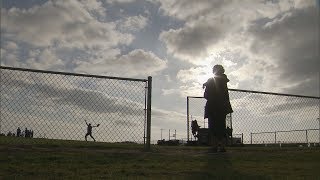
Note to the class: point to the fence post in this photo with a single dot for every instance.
(275, 137)
(241, 138)
(188, 118)
(319, 130)
(231, 129)
(149, 112)
(251, 138)
(307, 136)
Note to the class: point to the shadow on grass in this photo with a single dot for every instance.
(220, 166)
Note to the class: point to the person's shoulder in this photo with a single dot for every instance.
(224, 77)
(210, 80)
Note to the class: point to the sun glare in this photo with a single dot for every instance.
(205, 71)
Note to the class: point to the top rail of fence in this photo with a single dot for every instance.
(72, 74)
(262, 92)
(295, 130)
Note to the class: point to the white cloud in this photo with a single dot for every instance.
(133, 23)
(45, 59)
(94, 7)
(136, 63)
(54, 23)
(189, 9)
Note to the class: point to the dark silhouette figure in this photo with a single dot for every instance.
(194, 128)
(89, 130)
(26, 133)
(18, 132)
(9, 133)
(217, 107)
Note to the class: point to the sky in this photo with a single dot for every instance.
(264, 45)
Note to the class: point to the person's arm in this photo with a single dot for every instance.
(204, 85)
(86, 123)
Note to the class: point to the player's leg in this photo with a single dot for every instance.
(86, 136)
(92, 137)
(212, 136)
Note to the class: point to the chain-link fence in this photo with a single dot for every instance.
(265, 118)
(56, 105)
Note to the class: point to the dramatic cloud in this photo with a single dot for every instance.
(54, 23)
(265, 46)
(290, 40)
(193, 41)
(136, 63)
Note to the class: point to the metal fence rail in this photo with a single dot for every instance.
(55, 105)
(304, 136)
(261, 117)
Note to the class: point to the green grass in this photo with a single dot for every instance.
(57, 159)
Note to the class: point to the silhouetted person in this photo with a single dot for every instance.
(217, 107)
(9, 133)
(194, 127)
(18, 132)
(89, 130)
(26, 133)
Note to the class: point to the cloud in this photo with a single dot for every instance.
(290, 40)
(188, 9)
(263, 49)
(133, 23)
(136, 63)
(193, 42)
(53, 23)
(55, 37)
(45, 59)
(95, 7)
(210, 26)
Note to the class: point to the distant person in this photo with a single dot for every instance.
(18, 132)
(89, 130)
(26, 133)
(194, 128)
(217, 107)
(9, 133)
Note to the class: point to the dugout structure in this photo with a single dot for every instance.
(198, 114)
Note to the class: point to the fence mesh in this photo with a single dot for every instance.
(261, 118)
(56, 106)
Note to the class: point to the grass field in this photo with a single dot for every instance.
(57, 159)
